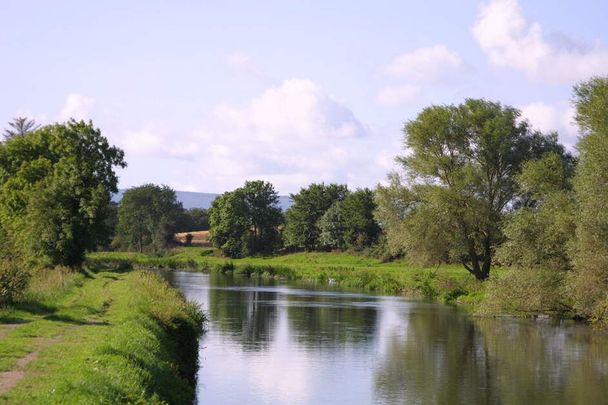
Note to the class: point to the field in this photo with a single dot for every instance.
(98, 337)
(446, 282)
(199, 238)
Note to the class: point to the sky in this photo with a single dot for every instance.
(204, 95)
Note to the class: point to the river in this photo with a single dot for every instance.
(270, 342)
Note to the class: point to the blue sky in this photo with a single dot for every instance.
(205, 95)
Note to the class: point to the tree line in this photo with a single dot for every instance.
(478, 186)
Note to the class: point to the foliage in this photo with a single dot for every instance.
(462, 177)
(193, 219)
(309, 205)
(13, 281)
(147, 217)
(115, 337)
(20, 126)
(590, 253)
(332, 226)
(360, 227)
(246, 221)
(55, 187)
(538, 234)
(525, 292)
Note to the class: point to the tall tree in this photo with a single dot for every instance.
(147, 217)
(360, 227)
(19, 126)
(55, 188)
(309, 205)
(461, 177)
(246, 221)
(591, 245)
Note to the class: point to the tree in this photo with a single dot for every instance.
(20, 126)
(360, 226)
(539, 233)
(246, 221)
(55, 187)
(462, 178)
(332, 227)
(147, 217)
(193, 219)
(309, 205)
(590, 255)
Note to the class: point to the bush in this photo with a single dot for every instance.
(13, 281)
(525, 291)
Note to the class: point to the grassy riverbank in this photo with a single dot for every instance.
(448, 283)
(98, 337)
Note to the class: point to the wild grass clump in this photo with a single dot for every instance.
(525, 292)
(48, 285)
(13, 281)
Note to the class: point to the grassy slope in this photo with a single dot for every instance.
(447, 282)
(107, 337)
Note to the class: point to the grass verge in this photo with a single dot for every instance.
(99, 337)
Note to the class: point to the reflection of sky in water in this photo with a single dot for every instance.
(276, 344)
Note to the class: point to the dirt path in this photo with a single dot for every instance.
(10, 378)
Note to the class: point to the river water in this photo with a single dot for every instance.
(276, 343)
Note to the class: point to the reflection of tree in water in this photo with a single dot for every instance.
(440, 360)
(543, 364)
(248, 316)
(330, 321)
(446, 358)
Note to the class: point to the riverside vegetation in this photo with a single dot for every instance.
(98, 336)
(486, 211)
(480, 190)
(71, 333)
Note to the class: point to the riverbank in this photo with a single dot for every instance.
(99, 336)
(445, 283)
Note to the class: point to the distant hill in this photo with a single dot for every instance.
(190, 199)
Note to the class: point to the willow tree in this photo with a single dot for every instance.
(591, 242)
(460, 179)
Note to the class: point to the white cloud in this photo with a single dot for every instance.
(549, 118)
(241, 63)
(395, 95)
(426, 64)
(509, 40)
(153, 142)
(77, 106)
(292, 134)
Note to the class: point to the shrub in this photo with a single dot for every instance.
(525, 291)
(13, 281)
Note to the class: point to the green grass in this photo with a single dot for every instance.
(101, 337)
(448, 283)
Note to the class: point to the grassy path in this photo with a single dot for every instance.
(110, 337)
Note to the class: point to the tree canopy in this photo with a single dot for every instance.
(461, 178)
(147, 217)
(246, 221)
(55, 185)
(309, 205)
(591, 243)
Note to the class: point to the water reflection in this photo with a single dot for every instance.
(273, 343)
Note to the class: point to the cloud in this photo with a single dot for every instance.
(550, 118)
(242, 64)
(153, 142)
(425, 64)
(76, 106)
(291, 134)
(509, 40)
(395, 95)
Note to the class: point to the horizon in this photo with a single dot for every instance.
(203, 97)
